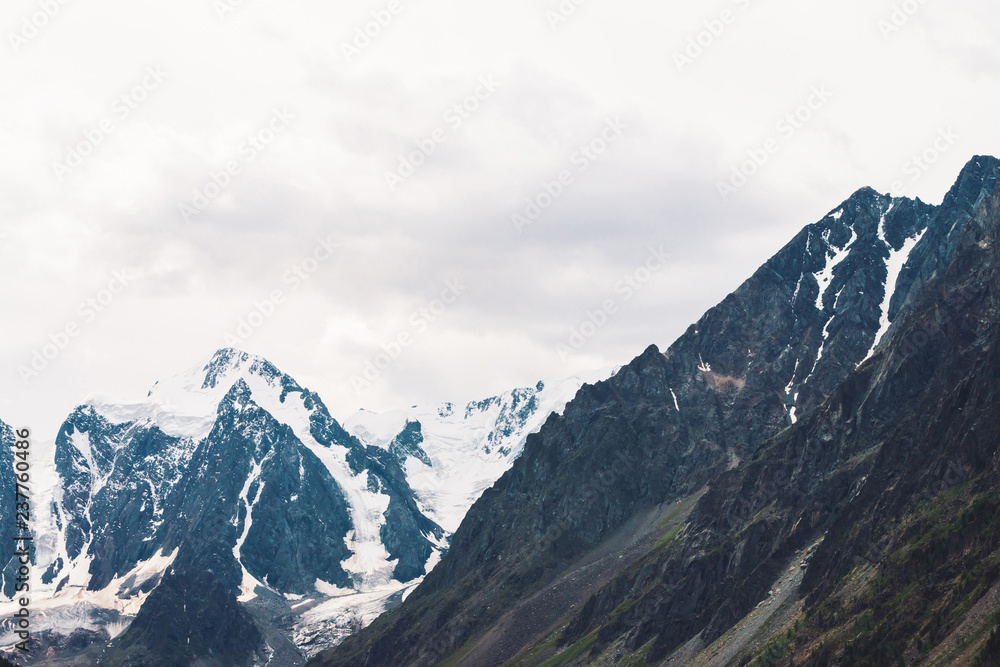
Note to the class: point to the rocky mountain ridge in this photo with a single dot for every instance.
(235, 477)
(777, 352)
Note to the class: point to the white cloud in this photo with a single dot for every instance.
(326, 175)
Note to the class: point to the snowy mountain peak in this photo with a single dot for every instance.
(186, 405)
(452, 453)
(228, 467)
(229, 364)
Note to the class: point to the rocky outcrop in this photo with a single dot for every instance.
(190, 619)
(781, 351)
(8, 562)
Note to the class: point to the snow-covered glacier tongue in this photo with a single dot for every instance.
(235, 470)
(231, 468)
(453, 453)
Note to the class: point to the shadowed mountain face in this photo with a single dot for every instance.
(895, 477)
(813, 380)
(807, 474)
(189, 619)
(252, 499)
(231, 473)
(234, 476)
(8, 562)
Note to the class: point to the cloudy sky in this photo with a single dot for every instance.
(305, 180)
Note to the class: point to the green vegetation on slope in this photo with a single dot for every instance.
(937, 564)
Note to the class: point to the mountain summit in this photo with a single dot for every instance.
(667, 503)
(807, 475)
(232, 478)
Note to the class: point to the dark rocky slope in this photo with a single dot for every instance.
(866, 474)
(189, 619)
(8, 562)
(674, 422)
(131, 492)
(235, 470)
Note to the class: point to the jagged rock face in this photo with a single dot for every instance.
(513, 412)
(452, 453)
(254, 485)
(407, 444)
(918, 419)
(404, 522)
(114, 479)
(7, 509)
(773, 352)
(189, 619)
(266, 488)
(236, 470)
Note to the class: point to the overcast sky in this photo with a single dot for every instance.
(121, 118)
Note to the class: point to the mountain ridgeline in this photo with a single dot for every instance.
(193, 495)
(808, 474)
(229, 519)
